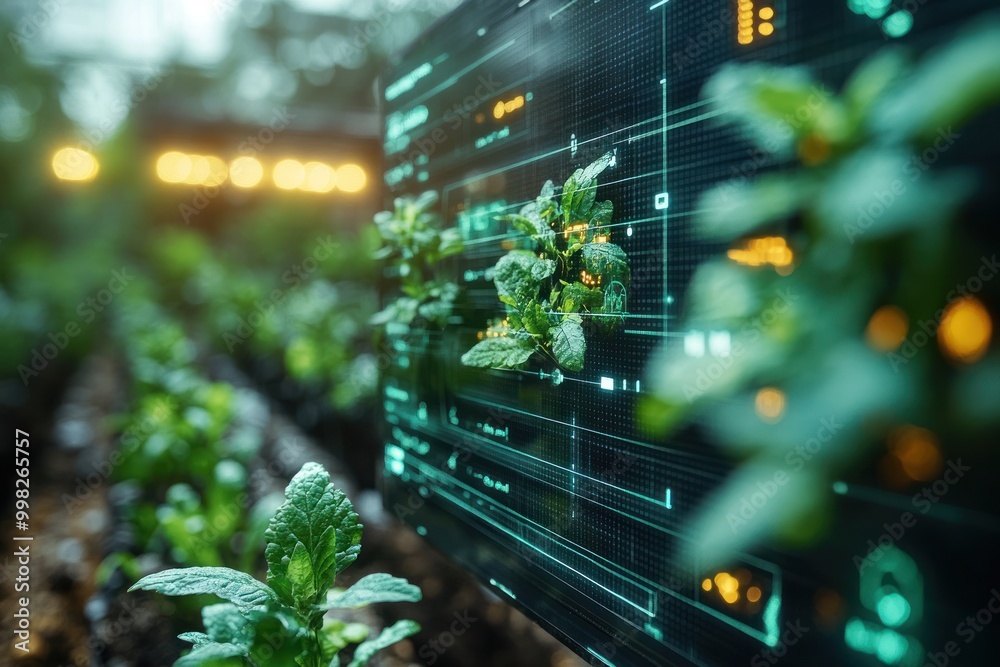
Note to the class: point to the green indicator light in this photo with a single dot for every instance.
(421, 531)
(893, 609)
(898, 24)
(876, 9)
(840, 488)
(891, 647)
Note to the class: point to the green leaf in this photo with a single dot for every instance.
(601, 214)
(608, 261)
(504, 352)
(734, 209)
(521, 223)
(535, 319)
(226, 625)
(213, 655)
(873, 78)
(196, 638)
(436, 312)
(519, 274)
(597, 167)
(300, 574)
(877, 193)
(241, 589)
(548, 190)
(323, 520)
(952, 85)
(569, 192)
(569, 345)
(399, 630)
(380, 587)
(577, 297)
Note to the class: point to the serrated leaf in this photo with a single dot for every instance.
(226, 625)
(213, 655)
(569, 345)
(608, 261)
(380, 587)
(519, 274)
(323, 520)
(241, 589)
(504, 352)
(388, 637)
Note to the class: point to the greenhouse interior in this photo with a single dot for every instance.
(500, 333)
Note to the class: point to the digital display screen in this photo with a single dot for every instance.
(547, 484)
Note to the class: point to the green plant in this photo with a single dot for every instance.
(877, 249)
(570, 272)
(311, 539)
(413, 243)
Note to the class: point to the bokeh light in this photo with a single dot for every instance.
(289, 174)
(74, 164)
(246, 172)
(966, 330)
(887, 329)
(351, 178)
(770, 404)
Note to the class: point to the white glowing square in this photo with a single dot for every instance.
(608, 383)
(719, 343)
(662, 201)
(694, 344)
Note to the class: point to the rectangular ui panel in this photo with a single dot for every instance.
(547, 485)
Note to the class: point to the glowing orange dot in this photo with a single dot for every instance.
(706, 585)
(766, 29)
(887, 329)
(770, 404)
(753, 594)
(966, 330)
(918, 452)
(767, 13)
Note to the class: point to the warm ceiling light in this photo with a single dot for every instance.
(289, 174)
(319, 177)
(351, 178)
(173, 167)
(246, 172)
(73, 164)
(201, 169)
(218, 172)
